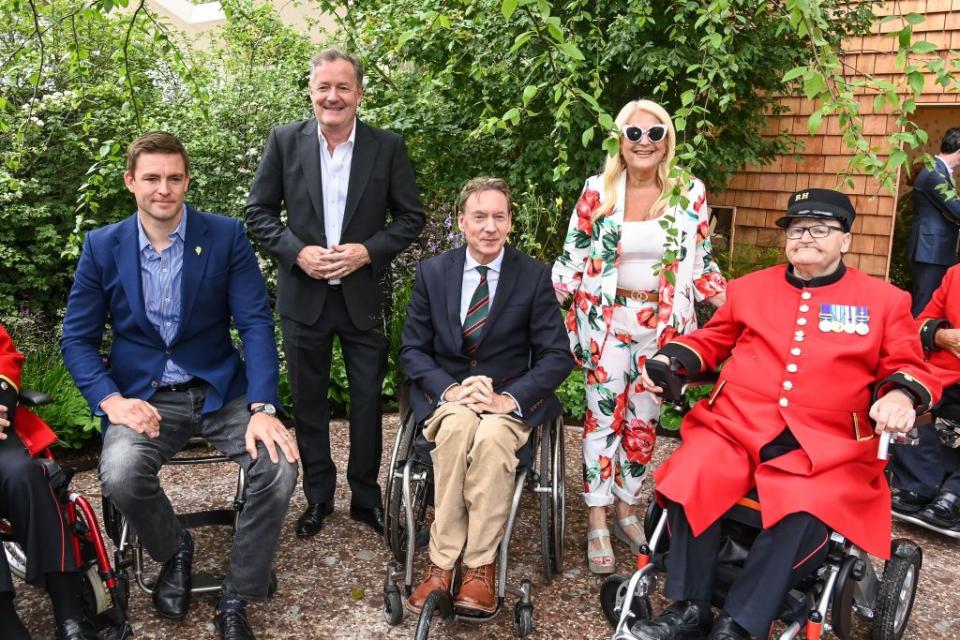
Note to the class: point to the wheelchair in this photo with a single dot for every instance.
(847, 584)
(409, 496)
(105, 590)
(129, 554)
(946, 420)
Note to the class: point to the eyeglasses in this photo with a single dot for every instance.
(816, 231)
(655, 133)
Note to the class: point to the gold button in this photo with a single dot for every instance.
(801, 321)
(792, 368)
(804, 308)
(787, 385)
(806, 295)
(784, 402)
(795, 351)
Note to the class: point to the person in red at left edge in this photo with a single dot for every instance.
(806, 346)
(28, 503)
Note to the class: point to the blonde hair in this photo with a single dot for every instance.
(615, 165)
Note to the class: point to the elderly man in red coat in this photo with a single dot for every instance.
(805, 346)
(921, 483)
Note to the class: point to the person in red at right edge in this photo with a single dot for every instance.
(805, 345)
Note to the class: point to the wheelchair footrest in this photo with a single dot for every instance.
(206, 582)
(953, 533)
(209, 518)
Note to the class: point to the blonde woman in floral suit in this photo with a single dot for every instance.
(634, 266)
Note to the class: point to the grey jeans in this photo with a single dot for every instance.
(130, 461)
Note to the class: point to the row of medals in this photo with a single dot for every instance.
(844, 320)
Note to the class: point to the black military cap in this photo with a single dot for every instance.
(819, 203)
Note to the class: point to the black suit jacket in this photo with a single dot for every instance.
(936, 220)
(381, 179)
(523, 348)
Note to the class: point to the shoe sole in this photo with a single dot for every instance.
(622, 536)
(468, 609)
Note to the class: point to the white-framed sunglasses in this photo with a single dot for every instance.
(655, 133)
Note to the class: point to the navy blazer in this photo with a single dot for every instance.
(936, 220)
(523, 348)
(221, 280)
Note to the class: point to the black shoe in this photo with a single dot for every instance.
(76, 629)
(311, 522)
(171, 593)
(726, 628)
(683, 620)
(373, 518)
(908, 502)
(943, 511)
(233, 625)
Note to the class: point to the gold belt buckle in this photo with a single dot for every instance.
(639, 296)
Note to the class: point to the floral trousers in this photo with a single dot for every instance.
(619, 428)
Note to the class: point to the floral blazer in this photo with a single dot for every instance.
(587, 268)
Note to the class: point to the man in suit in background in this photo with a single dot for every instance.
(485, 347)
(337, 178)
(169, 279)
(932, 246)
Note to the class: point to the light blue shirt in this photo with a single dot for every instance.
(160, 273)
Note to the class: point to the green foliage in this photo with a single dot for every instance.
(671, 416)
(68, 415)
(572, 395)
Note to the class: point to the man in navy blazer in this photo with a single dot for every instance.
(932, 246)
(169, 280)
(485, 347)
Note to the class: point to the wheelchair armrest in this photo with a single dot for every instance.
(31, 398)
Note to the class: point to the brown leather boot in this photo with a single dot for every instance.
(436, 578)
(477, 593)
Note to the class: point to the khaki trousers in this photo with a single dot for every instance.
(474, 467)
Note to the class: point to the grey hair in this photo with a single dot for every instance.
(332, 54)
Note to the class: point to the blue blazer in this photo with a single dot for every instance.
(523, 348)
(221, 280)
(936, 220)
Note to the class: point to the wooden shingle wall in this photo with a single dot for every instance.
(760, 193)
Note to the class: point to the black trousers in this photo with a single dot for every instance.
(926, 279)
(921, 468)
(780, 557)
(39, 524)
(308, 350)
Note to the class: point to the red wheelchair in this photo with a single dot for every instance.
(105, 591)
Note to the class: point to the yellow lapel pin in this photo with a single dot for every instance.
(199, 250)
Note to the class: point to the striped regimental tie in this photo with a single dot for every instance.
(476, 313)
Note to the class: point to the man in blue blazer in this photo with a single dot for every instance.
(485, 347)
(932, 246)
(169, 279)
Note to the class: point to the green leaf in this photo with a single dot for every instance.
(529, 92)
(922, 47)
(571, 51)
(587, 137)
(606, 122)
(915, 79)
(793, 74)
(914, 18)
(508, 7)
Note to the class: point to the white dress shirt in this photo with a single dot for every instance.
(471, 278)
(335, 176)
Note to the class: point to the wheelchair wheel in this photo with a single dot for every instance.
(523, 619)
(392, 605)
(421, 498)
(898, 588)
(16, 558)
(94, 594)
(401, 448)
(612, 593)
(437, 602)
(552, 503)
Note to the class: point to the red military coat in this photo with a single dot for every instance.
(785, 370)
(942, 312)
(34, 432)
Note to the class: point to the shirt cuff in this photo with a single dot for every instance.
(441, 401)
(100, 411)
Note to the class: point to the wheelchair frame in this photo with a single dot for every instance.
(408, 495)
(129, 548)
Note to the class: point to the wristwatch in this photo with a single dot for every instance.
(266, 408)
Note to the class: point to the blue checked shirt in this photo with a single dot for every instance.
(160, 273)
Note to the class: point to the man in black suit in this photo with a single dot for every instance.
(485, 347)
(337, 178)
(932, 246)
